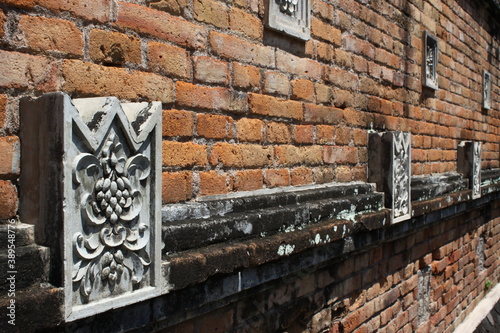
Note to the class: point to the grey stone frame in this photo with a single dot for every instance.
(292, 17)
(430, 61)
(486, 90)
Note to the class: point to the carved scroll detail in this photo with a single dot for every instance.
(401, 175)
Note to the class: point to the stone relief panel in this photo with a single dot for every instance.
(389, 167)
(469, 163)
(430, 61)
(291, 17)
(110, 199)
(486, 90)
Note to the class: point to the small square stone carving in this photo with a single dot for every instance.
(389, 167)
(291, 17)
(92, 186)
(486, 90)
(430, 61)
(469, 163)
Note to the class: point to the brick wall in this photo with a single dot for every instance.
(247, 108)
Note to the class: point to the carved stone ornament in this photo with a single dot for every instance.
(469, 163)
(291, 17)
(389, 167)
(486, 90)
(430, 78)
(109, 200)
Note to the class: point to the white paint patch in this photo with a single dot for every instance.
(317, 239)
(334, 228)
(343, 230)
(239, 281)
(286, 249)
(244, 227)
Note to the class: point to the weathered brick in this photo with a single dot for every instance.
(322, 114)
(162, 25)
(248, 180)
(301, 176)
(303, 133)
(288, 155)
(176, 186)
(326, 32)
(21, 70)
(3, 109)
(246, 23)
(183, 154)
(276, 83)
(176, 7)
(168, 59)
(89, 79)
(340, 155)
(246, 76)
(323, 93)
(289, 63)
(303, 90)
(214, 126)
(234, 48)
(2, 23)
(10, 153)
(211, 70)
(241, 156)
(278, 132)
(211, 182)
(342, 78)
(94, 10)
(211, 12)
(325, 134)
(211, 98)
(277, 177)
(272, 106)
(9, 202)
(114, 47)
(178, 123)
(251, 130)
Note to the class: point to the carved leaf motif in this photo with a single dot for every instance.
(401, 175)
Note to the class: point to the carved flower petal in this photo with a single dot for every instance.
(135, 207)
(88, 212)
(89, 248)
(134, 264)
(137, 238)
(86, 171)
(138, 166)
(111, 239)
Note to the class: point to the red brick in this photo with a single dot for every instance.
(210, 70)
(176, 7)
(303, 90)
(21, 70)
(3, 109)
(214, 126)
(168, 59)
(301, 176)
(277, 177)
(248, 180)
(272, 106)
(241, 156)
(9, 155)
(89, 79)
(322, 114)
(359, 46)
(9, 202)
(182, 154)
(326, 32)
(325, 134)
(211, 182)
(323, 92)
(99, 10)
(342, 78)
(360, 137)
(288, 155)
(211, 12)
(303, 133)
(246, 23)
(251, 130)
(2, 23)
(278, 132)
(292, 64)
(324, 51)
(323, 175)
(340, 155)
(234, 48)
(177, 123)
(276, 83)
(343, 135)
(246, 76)
(211, 98)
(162, 25)
(176, 186)
(114, 48)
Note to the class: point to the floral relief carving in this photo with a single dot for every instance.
(288, 6)
(401, 174)
(476, 176)
(112, 244)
